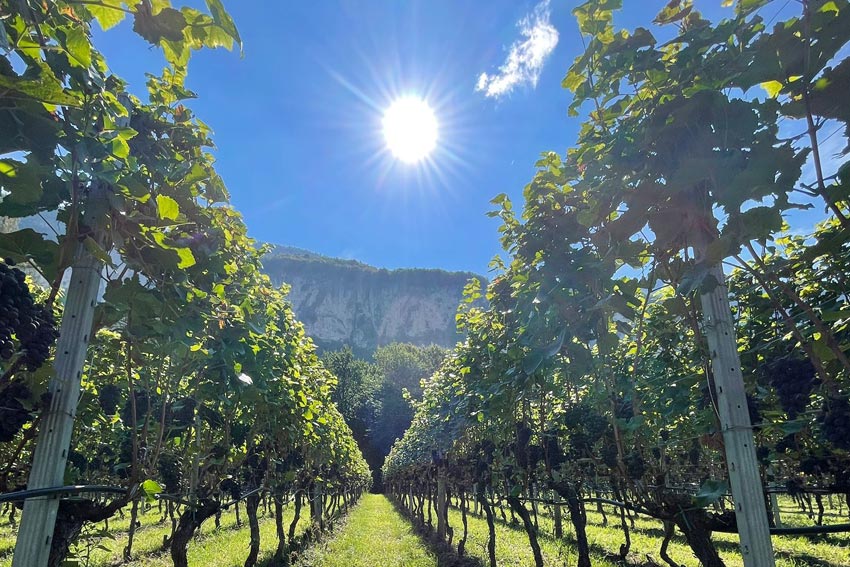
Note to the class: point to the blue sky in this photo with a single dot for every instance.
(297, 119)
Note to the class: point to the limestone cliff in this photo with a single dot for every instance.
(347, 302)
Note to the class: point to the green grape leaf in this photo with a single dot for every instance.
(108, 13)
(223, 20)
(710, 492)
(78, 46)
(46, 88)
(150, 488)
(27, 244)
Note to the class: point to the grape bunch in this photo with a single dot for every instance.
(835, 422)
(15, 301)
(183, 412)
(787, 443)
(78, 460)
(624, 409)
(32, 325)
(814, 464)
(609, 454)
(109, 396)
(13, 414)
(239, 433)
(754, 409)
(231, 487)
(38, 337)
(554, 456)
(694, 453)
(635, 465)
(793, 380)
(170, 472)
(144, 402)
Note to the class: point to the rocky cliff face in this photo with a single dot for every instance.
(344, 302)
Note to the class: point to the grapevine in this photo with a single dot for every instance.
(793, 380)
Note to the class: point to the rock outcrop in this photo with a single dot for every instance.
(347, 302)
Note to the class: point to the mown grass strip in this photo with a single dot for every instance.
(372, 534)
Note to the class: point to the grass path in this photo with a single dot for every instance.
(372, 534)
(223, 547)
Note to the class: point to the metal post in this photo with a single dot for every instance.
(35, 535)
(744, 477)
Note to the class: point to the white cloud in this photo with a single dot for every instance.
(526, 56)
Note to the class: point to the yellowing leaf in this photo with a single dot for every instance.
(772, 88)
(829, 7)
(167, 207)
(187, 259)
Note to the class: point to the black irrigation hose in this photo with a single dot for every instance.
(802, 530)
(21, 495)
(242, 497)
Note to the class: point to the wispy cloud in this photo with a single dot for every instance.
(526, 56)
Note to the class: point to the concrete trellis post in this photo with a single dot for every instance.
(35, 535)
(442, 504)
(744, 477)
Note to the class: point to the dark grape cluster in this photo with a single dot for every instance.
(78, 460)
(239, 433)
(31, 324)
(231, 487)
(586, 427)
(635, 465)
(694, 453)
(183, 412)
(624, 409)
(835, 422)
(142, 403)
(754, 409)
(13, 414)
(168, 466)
(109, 396)
(793, 380)
(786, 444)
(554, 456)
(814, 464)
(609, 455)
(37, 337)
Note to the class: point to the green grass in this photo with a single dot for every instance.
(373, 534)
(513, 550)
(226, 546)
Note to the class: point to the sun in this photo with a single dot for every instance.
(410, 129)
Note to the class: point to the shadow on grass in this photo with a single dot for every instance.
(308, 539)
(295, 549)
(446, 554)
(802, 560)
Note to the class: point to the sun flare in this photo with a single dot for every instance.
(410, 129)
